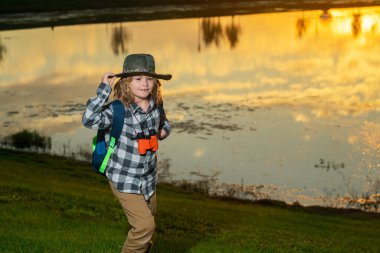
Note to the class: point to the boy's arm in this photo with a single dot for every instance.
(165, 128)
(97, 115)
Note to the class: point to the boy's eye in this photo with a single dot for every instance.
(150, 78)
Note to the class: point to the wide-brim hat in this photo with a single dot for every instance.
(141, 64)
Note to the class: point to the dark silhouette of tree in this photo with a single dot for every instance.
(119, 40)
(325, 16)
(232, 32)
(3, 50)
(212, 31)
(356, 24)
(301, 26)
(199, 35)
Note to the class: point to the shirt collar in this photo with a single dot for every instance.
(135, 107)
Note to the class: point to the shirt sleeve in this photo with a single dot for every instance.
(164, 123)
(98, 115)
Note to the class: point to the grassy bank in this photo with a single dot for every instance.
(51, 204)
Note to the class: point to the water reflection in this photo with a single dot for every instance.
(266, 111)
(356, 24)
(326, 15)
(206, 125)
(301, 26)
(119, 40)
(212, 32)
(326, 165)
(232, 33)
(3, 50)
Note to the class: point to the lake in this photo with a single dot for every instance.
(275, 105)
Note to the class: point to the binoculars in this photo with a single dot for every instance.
(149, 142)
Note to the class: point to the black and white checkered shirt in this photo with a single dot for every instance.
(128, 170)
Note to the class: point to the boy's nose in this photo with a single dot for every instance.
(145, 80)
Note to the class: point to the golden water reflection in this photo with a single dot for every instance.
(213, 33)
(3, 50)
(262, 97)
(120, 40)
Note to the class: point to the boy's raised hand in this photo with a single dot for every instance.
(108, 78)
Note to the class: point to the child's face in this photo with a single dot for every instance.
(141, 87)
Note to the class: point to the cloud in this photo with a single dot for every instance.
(199, 152)
(301, 118)
(352, 139)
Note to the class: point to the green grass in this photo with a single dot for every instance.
(52, 204)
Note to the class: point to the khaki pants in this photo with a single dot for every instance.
(140, 215)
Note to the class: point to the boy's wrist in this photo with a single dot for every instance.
(104, 89)
(105, 84)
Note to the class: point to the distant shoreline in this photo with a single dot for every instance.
(19, 6)
(43, 14)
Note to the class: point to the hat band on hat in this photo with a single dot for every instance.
(143, 73)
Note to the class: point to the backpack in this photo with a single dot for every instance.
(100, 152)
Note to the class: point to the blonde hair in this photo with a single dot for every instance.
(124, 94)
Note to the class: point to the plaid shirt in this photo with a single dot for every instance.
(128, 170)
